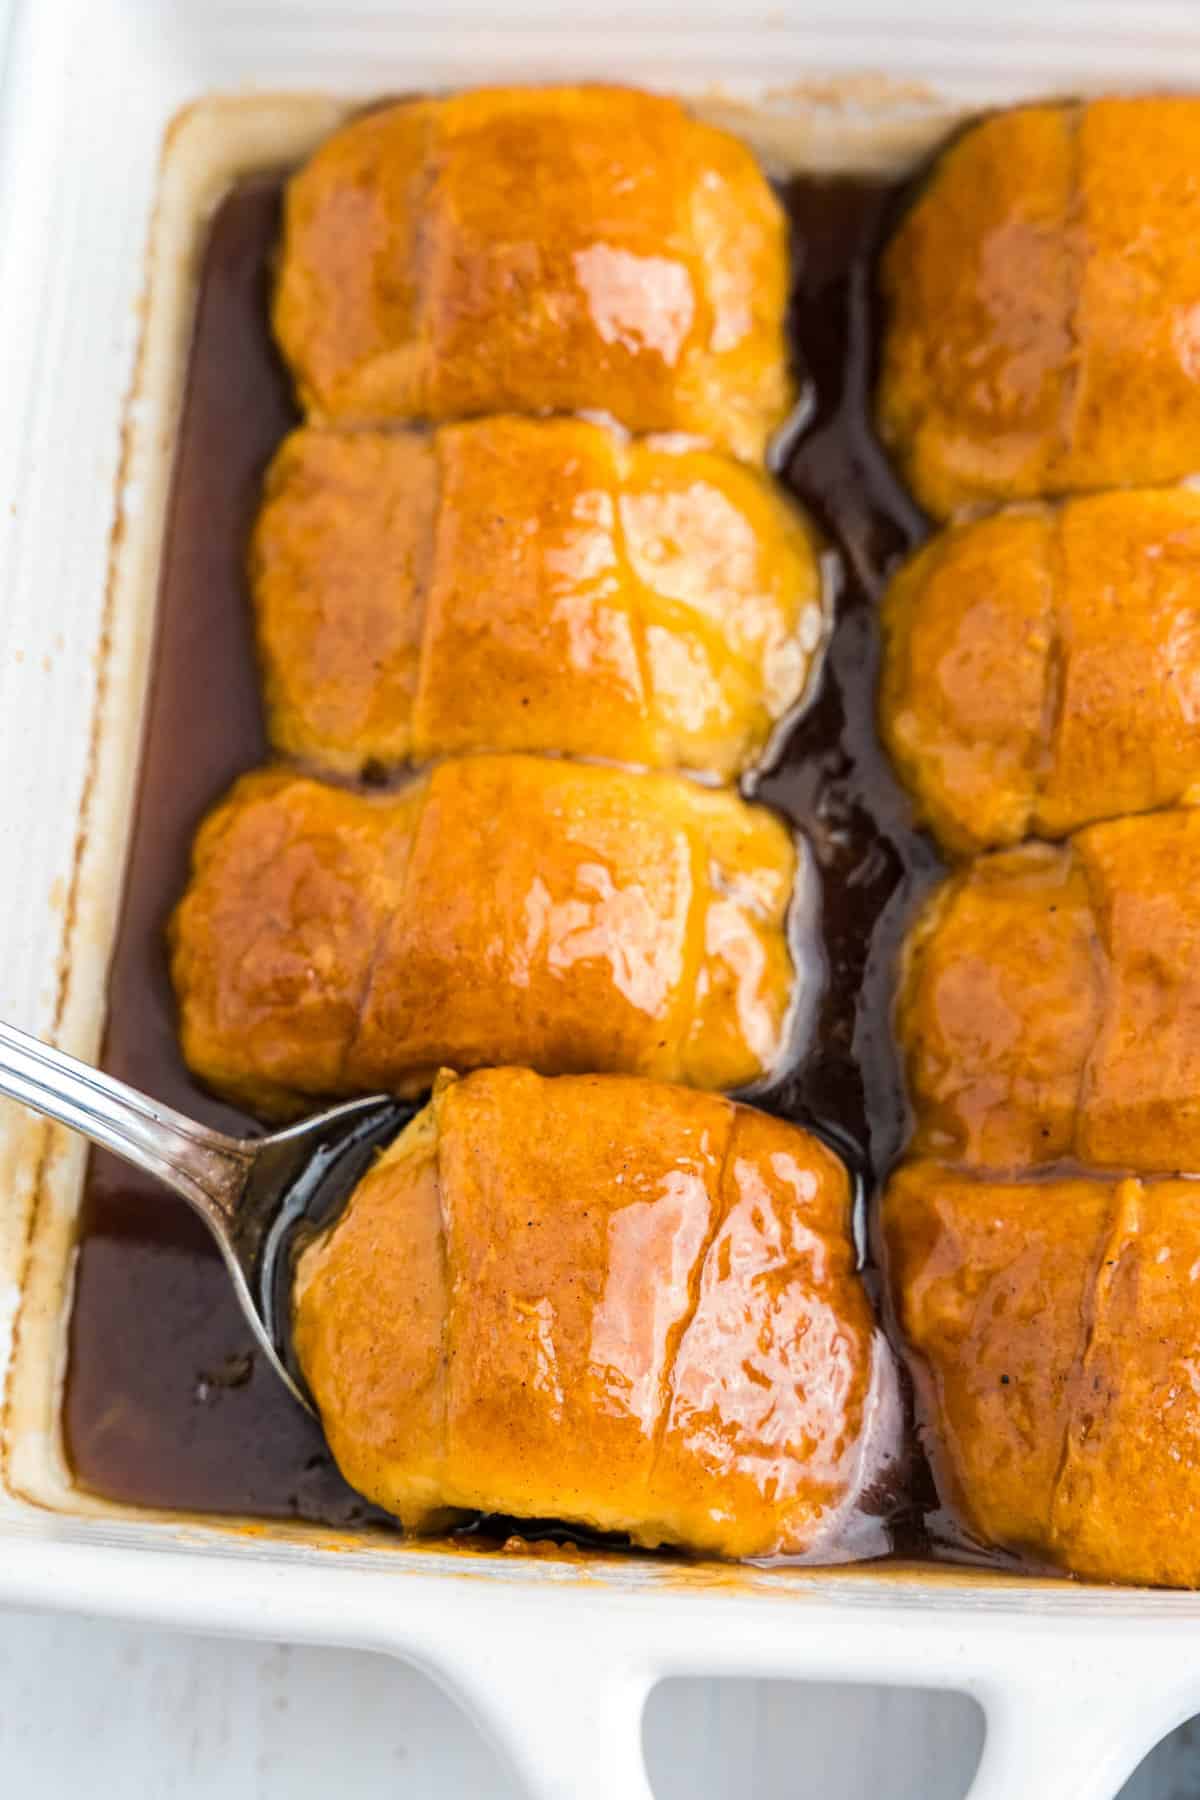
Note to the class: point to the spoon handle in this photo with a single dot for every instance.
(206, 1168)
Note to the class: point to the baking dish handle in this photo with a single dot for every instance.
(1074, 1740)
(567, 1719)
(570, 1725)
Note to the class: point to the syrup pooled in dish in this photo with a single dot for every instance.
(608, 1301)
(1042, 667)
(538, 250)
(531, 585)
(1054, 1331)
(518, 909)
(166, 1403)
(1043, 298)
(1051, 1003)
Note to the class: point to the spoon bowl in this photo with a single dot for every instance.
(261, 1198)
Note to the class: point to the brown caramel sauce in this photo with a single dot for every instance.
(166, 1402)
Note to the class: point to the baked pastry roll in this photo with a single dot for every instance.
(606, 1301)
(563, 915)
(1042, 668)
(1050, 1003)
(1042, 294)
(554, 249)
(518, 584)
(1054, 1329)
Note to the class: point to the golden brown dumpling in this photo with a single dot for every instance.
(504, 908)
(608, 1301)
(1043, 298)
(519, 584)
(1050, 1005)
(1054, 1330)
(1042, 668)
(556, 249)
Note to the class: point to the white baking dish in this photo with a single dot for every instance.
(554, 1656)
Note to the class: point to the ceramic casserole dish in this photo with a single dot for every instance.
(121, 123)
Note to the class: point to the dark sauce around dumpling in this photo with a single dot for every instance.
(166, 1402)
(831, 777)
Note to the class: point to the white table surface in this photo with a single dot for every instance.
(88, 1706)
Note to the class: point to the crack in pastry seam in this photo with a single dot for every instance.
(361, 1004)
(1054, 681)
(421, 750)
(1101, 966)
(383, 932)
(679, 1331)
(1075, 258)
(1110, 1246)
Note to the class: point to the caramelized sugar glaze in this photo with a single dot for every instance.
(166, 1402)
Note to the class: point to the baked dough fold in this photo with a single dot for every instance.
(1043, 299)
(1053, 1328)
(1050, 1003)
(563, 915)
(603, 1300)
(529, 585)
(538, 250)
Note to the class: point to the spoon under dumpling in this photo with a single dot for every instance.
(257, 1196)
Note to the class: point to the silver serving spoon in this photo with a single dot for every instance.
(257, 1196)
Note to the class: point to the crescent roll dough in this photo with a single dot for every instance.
(612, 1302)
(520, 584)
(1042, 668)
(1054, 1336)
(1043, 298)
(1050, 1004)
(558, 914)
(556, 249)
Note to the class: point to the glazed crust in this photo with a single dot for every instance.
(538, 250)
(530, 585)
(1050, 1003)
(641, 1314)
(967, 624)
(1041, 292)
(568, 916)
(1054, 1328)
(1042, 668)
